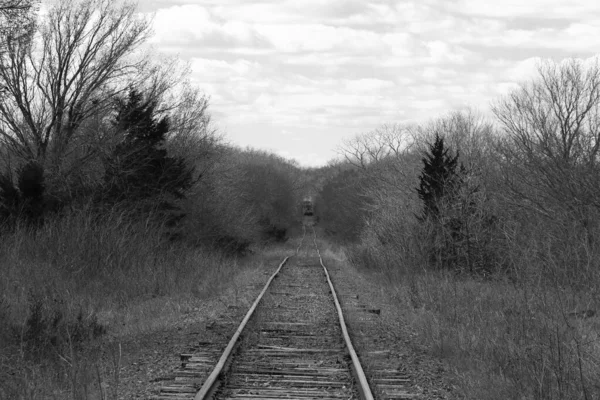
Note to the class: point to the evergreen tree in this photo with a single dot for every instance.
(32, 187)
(25, 200)
(439, 190)
(438, 179)
(139, 168)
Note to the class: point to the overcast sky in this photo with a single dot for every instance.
(295, 77)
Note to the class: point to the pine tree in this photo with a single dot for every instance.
(25, 200)
(139, 168)
(32, 188)
(438, 179)
(439, 188)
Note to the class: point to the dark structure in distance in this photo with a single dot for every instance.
(307, 206)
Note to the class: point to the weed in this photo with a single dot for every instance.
(534, 338)
(51, 330)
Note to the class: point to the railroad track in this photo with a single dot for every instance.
(292, 344)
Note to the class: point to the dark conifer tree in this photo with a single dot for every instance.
(140, 168)
(438, 179)
(25, 200)
(10, 199)
(32, 187)
(440, 186)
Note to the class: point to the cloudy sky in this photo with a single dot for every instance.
(296, 77)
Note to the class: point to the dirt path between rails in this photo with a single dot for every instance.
(293, 346)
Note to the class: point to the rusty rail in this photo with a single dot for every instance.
(364, 388)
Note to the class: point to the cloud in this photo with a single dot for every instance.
(193, 25)
(523, 70)
(332, 68)
(368, 85)
(530, 8)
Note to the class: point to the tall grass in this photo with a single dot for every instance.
(62, 287)
(531, 334)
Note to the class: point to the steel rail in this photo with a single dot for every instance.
(364, 388)
(302, 240)
(213, 378)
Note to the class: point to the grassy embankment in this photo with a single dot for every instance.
(79, 284)
(504, 339)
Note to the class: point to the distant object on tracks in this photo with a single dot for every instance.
(307, 206)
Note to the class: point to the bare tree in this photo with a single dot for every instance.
(465, 131)
(552, 127)
(16, 21)
(383, 158)
(371, 147)
(192, 134)
(80, 59)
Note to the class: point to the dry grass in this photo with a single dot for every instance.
(119, 277)
(526, 340)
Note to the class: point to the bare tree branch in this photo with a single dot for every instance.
(82, 57)
(17, 21)
(388, 140)
(553, 138)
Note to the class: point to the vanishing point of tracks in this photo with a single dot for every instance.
(292, 344)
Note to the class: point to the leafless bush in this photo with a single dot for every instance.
(245, 197)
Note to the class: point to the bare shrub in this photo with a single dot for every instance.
(342, 205)
(243, 197)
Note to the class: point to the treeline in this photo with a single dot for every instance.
(88, 117)
(470, 188)
(513, 200)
